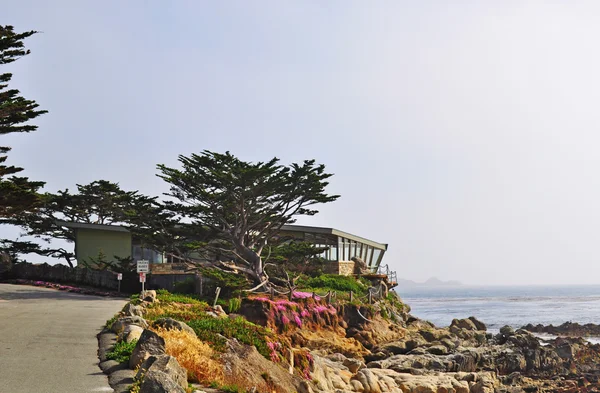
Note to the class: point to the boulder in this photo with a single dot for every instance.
(131, 333)
(172, 324)
(465, 324)
(437, 350)
(360, 267)
(149, 296)
(507, 331)
(148, 344)
(353, 365)
(478, 324)
(119, 325)
(162, 374)
(131, 310)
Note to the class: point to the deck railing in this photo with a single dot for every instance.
(385, 269)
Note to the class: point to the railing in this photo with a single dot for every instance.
(385, 269)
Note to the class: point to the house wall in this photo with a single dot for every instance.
(90, 242)
(343, 268)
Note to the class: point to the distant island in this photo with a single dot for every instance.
(431, 282)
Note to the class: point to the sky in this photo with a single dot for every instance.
(464, 135)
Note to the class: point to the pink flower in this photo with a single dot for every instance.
(285, 320)
(301, 295)
(297, 320)
(304, 313)
(281, 308)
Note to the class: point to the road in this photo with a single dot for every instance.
(48, 340)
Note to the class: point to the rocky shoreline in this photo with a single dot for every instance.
(396, 353)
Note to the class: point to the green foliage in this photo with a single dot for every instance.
(110, 322)
(230, 283)
(187, 286)
(234, 304)
(244, 203)
(209, 328)
(334, 282)
(18, 195)
(227, 388)
(121, 351)
(165, 296)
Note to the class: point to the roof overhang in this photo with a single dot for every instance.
(334, 232)
(99, 227)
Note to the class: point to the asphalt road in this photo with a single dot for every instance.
(48, 340)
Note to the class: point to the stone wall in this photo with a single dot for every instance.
(343, 268)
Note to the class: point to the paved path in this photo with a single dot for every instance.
(48, 340)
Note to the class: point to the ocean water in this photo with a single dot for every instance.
(499, 306)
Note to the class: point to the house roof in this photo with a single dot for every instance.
(85, 225)
(290, 228)
(334, 232)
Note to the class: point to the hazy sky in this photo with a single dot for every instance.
(465, 135)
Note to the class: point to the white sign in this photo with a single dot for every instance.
(119, 276)
(143, 266)
(142, 277)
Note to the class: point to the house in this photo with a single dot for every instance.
(343, 249)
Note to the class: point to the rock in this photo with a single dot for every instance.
(360, 267)
(172, 324)
(110, 366)
(119, 325)
(565, 349)
(507, 331)
(368, 380)
(131, 310)
(149, 344)
(465, 324)
(162, 374)
(219, 311)
(131, 333)
(486, 383)
(353, 365)
(149, 296)
(437, 350)
(478, 324)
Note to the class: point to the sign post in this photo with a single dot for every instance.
(142, 280)
(119, 278)
(143, 267)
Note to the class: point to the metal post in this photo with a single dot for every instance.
(119, 288)
(217, 296)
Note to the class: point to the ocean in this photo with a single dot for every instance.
(505, 305)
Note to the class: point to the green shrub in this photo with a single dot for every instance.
(334, 282)
(234, 304)
(187, 286)
(121, 351)
(110, 322)
(165, 296)
(208, 329)
(230, 283)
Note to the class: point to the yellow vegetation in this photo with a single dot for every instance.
(194, 355)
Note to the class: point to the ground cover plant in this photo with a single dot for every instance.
(121, 352)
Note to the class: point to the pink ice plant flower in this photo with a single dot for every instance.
(305, 313)
(297, 320)
(285, 320)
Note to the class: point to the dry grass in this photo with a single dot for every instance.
(194, 355)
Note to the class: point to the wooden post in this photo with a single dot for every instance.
(370, 296)
(351, 296)
(216, 296)
(314, 295)
(291, 369)
(272, 293)
(328, 297)
(201, 285)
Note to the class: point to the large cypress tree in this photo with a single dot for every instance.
(17, 194)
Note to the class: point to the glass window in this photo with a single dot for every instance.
(376, 254)
(369, 255)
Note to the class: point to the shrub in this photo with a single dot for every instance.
(209, 329)
(121, 352)
(335, 282)
(196, 357)
(234, 304)
(230, 283)
(187, 286)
